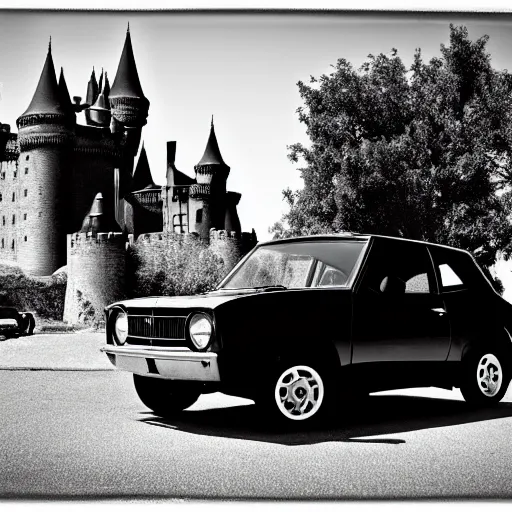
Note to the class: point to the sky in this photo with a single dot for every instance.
(243, 68)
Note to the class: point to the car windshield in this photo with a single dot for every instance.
(298, 265)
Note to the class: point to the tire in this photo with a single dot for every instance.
(485, 377)
(165, 397)
(299, 393)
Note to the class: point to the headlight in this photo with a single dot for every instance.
(200, 329)
(121, 327)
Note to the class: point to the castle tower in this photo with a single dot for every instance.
(208, 196)
(129, 114)
(143, 206)
(96, 266)
(39, 207)
(128, 103)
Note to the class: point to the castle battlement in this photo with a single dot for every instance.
(77, 239)
(158, 237)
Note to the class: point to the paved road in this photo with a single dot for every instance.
(84, 434)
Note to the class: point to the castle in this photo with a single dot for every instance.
(69, 194)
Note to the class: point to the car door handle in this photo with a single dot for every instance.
(441, 311)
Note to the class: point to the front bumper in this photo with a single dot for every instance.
(175, 364)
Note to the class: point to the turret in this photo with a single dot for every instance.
(99, 113)
(45, 139)
(96, 221)
(143, 206)
(128, 103)
(209, 194)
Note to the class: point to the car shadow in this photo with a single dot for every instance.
(376, 416)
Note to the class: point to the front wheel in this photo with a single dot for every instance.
(165, 397)
(485, 377)
(299, 393)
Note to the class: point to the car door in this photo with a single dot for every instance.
(469, 299)
(398, 314)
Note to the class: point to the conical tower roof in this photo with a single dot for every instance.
(92, 89)
(212, 154)
(64, 92)
(47, 98)
(98, 220)
(106, 86)
(100, 84)
(142, 176)
(102, 99)
(127, 83)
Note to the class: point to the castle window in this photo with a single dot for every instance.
(3, 243)
(15, 174)
(3, 220)
(14, 219)
(24, 216)
(0, 196)
(199, 215)
(25, 192)
(26, 158)
(25, 238)
(26, 170)
(177, 223)
(14, 196)
(12, 245)
(3, 175)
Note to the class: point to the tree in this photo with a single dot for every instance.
(422, 153)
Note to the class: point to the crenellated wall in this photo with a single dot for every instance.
(231, 246)
(96, 275)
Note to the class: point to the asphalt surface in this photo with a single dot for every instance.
(83, 433)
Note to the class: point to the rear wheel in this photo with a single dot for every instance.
(485, 377)
(165, 397)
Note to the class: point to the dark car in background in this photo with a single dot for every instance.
(300, 323)
(14, 323)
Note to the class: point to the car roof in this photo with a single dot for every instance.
(355, 237)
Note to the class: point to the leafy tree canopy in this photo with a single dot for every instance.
(422, 153)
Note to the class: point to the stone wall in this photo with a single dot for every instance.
(96, 275)
(9, 185)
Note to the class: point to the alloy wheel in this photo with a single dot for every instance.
(489, 375)
(299, 392)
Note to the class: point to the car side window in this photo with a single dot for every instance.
(458, 271)
(396, 268)
(449, 277)
(418, 284)
(326, 276)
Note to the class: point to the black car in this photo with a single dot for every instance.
(301, 322)
(13, 323)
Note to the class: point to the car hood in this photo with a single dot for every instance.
(207, 300)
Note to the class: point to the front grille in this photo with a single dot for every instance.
(156, 327)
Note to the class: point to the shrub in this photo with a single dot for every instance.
(175, 265)
(45, 298)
